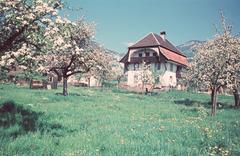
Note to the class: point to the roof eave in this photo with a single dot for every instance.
(179, 53)
(153, 46)
(178, 63)
(125, 57)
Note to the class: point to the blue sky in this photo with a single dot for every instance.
(120, 22)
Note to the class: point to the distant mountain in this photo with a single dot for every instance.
(115, 54)
(188, 47)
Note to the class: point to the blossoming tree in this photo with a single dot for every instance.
(22, 21)
(22, 27)
(145, 76)
(70, 51)
(118, 72)
(35, 38)
(216, 63)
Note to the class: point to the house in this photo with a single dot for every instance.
(90, 80)
(85, 80)
(160, 54)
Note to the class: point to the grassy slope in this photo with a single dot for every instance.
(120, 123)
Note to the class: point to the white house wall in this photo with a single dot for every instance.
(131, 75)
(167, 77)
(135, 52)
(94, 82)
(85, 79)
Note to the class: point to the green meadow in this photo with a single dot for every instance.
(115, 122)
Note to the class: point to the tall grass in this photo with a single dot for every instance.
(117, 122)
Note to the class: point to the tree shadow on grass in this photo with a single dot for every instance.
(69, 94)
(124, 91)
(206, 104)
(11, 114)
(26, 120)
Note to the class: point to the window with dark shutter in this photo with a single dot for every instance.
(147, 54)
(171, 67)
(158, 66)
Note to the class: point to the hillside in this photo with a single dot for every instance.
(188, 47)
(116, 55)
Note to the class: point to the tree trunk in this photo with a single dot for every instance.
(30, 84)
(214, 101)
(89, 82)
(54, 83)
(236, 98)
(65, 91)
(118, 83)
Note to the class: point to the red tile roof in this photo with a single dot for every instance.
(147, 41)
(172, 56)
(165, 47)
(153, 39)
(165, 43)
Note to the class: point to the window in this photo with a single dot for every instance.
(154, 54)
(171, 82)
(147, 54)
(140, 54)
(135, 66)
(158, 66)
(171, 67)
(135, 79)
(157, 80)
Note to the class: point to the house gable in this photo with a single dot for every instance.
(168, 50)
(148, 41)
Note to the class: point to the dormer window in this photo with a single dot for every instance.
(147, 54)
(140, 55)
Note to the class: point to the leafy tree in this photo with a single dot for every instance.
(3, 74)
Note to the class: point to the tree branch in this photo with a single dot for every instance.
(10, 40)
(56, 72)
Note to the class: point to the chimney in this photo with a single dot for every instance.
(163, 35)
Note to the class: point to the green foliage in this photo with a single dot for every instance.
(30, 75)
(118, 122)
(3, 74)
